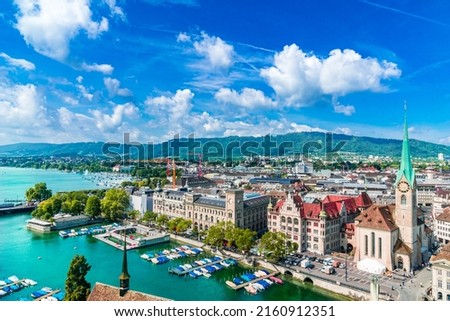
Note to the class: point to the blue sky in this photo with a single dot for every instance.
(93, 70)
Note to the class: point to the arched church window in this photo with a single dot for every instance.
(403, 200)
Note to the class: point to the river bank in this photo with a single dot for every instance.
(45, 258)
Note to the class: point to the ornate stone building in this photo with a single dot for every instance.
(244, 210)
(318, 227)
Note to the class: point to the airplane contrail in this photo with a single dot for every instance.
(404, 13)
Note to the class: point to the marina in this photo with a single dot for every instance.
(14, 284)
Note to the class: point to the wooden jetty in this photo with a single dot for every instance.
(242, 285)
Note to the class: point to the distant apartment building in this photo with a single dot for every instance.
(440, 270)
(441, 200)
(244, 210)
(319, 227)
(442, 226)
(142, 200)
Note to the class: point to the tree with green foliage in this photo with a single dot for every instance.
(93, 206)
(149, 217)
(274, 245)
(77, 288)
(215, 236)
(245, 239)
(76, 207)
(179, 225)
(133, 214)
(39, 192)
(115, 203)
(162, 220)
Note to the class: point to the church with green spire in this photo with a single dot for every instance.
(392, 235)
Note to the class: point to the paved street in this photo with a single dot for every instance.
(397, 287)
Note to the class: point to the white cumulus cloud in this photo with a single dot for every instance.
(346, 71)
(248, 97)
(175, 106)
(84, 92)
(22, 63)
(183, 37)
(115, 10)
(103, 68)
(22, 106)
(113, 87)
(217, 52)
(347, 110)
(300, 79)
(113, 122)
(49, 26)
(343, 130)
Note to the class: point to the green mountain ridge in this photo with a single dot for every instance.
(316, 143)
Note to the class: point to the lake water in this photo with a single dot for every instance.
(45, 258)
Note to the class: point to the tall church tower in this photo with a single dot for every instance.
(405, 202)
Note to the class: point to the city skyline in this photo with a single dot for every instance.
(93, 70)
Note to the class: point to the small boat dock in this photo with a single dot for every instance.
(47, 295)
(213, 261)
(244, 284)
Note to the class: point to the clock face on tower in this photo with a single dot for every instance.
(403, 187)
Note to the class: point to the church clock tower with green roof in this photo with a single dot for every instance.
(406, 205)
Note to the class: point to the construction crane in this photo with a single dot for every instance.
(174, 174)
(200, 166)
(168, 168)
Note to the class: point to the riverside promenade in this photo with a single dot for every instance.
(355, 285)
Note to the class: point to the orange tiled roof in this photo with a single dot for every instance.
(444, 254)
(445, 215)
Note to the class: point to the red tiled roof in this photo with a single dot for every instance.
(279, 205)
(377, 217)
(363, 200)
(312, 210)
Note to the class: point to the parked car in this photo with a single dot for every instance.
(336, 263)
(327, 269)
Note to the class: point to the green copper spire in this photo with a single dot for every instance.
(406, 168)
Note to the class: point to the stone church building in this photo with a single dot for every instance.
(393, 235)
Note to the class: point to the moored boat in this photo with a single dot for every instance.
(250, 289)
(276, 280)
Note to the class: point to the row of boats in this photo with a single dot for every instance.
(93, 230)
(46, 291)
(167, 255)
(257, 281)
(203, 267)
(14, 284)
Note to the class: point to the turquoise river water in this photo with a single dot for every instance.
(45, 258)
